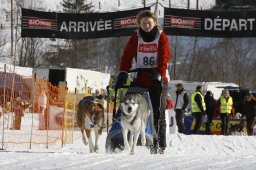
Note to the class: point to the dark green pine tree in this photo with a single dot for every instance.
(76, 6)
(230, 3)
(75, 53)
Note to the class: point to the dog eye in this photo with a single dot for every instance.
(126, 103)
(133, 103)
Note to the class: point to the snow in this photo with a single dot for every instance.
(183, 152)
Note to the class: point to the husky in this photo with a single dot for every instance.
(90, 115)
(135, 112)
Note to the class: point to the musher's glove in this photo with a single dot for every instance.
(121, 79)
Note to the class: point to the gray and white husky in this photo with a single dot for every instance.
(135, 113)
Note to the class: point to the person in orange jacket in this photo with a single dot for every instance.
(18, 113)
(150, 49)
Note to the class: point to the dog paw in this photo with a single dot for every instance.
(131, 153)
(85, 141)
(96, 148)
(127, 148)
(143, 141)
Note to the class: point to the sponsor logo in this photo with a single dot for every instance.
(215, 125)
(40, 23)
(127, 21)
(148, 48)
(182, 22)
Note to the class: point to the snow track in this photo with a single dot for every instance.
(184, 152)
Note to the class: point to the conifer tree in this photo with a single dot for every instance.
(76, 6)
(75, 53)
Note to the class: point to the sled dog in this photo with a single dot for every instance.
(238, 129)
(90, 115)
(135, 113)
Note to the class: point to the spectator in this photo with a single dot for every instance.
(169, 102)
(249, 109)
(198, 107)
(18, 113)
(180, 107)
(99, 94)
(225, 105)
(210, 103)
(42, 104)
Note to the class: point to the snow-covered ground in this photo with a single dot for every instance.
(183, 152)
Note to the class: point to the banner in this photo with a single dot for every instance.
(215, 126)
(209, 23)
(78, 26)
(171, 121)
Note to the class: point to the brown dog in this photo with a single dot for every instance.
(6, 108)
(90, 115)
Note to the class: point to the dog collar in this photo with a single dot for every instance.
(133, 119)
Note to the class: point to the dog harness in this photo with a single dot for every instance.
(133, 119)
(88, 100)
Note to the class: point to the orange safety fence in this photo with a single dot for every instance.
(34, 112)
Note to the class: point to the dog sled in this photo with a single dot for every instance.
(114, 140)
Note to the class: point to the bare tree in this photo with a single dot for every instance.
(226, 60)
(2, 44)
(31, 52)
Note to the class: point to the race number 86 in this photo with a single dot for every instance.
(148, 61)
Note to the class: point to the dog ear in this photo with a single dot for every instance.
(100, 106)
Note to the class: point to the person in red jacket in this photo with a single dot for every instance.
(150, 49)
(169, 102)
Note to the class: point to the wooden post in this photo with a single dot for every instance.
(64, 115)
(33, 108)
(73, 116)
(4, 109)
(47, 112)
(108, 97)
